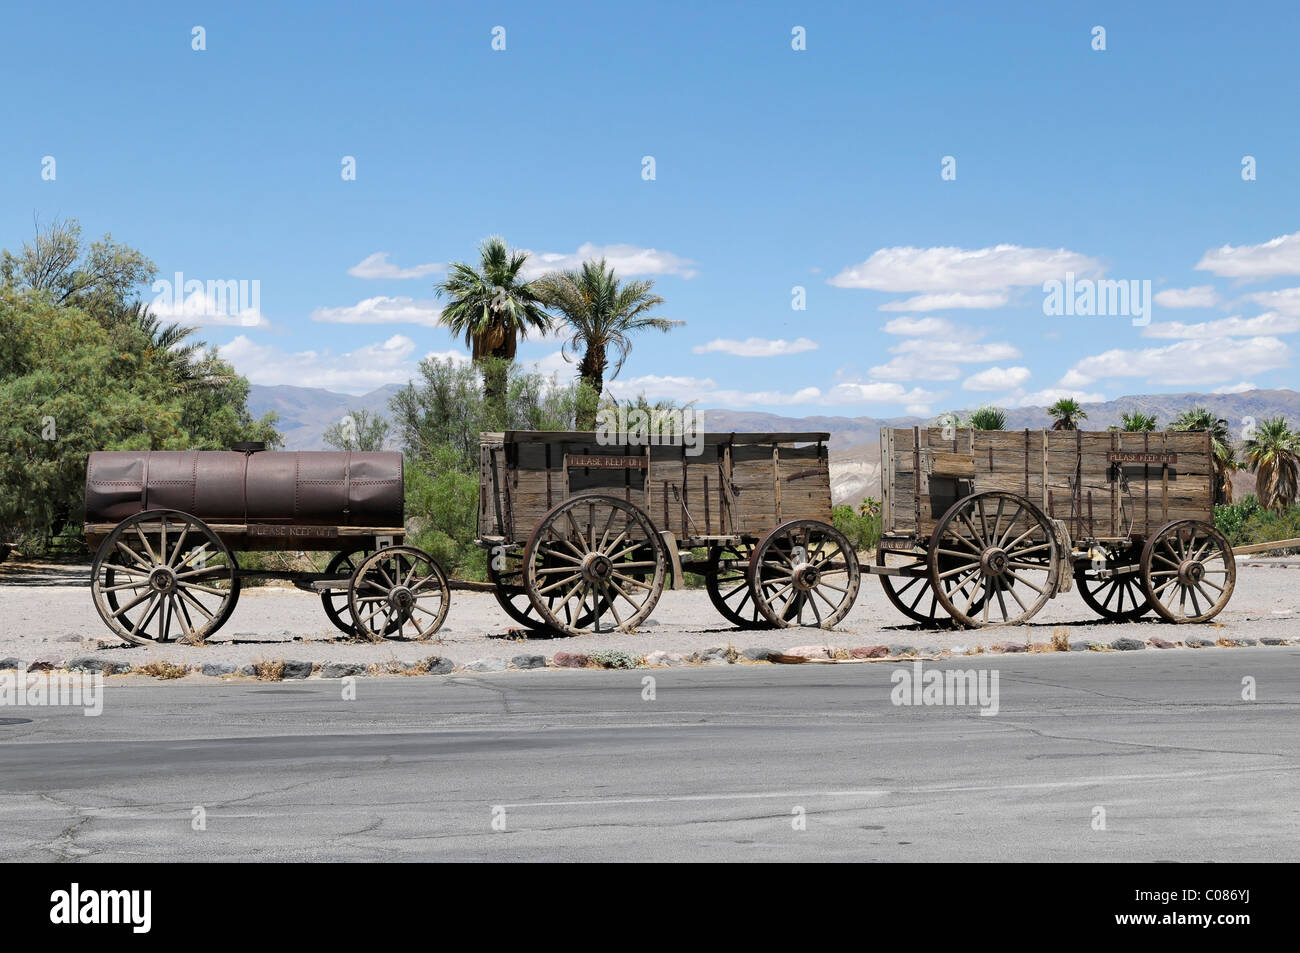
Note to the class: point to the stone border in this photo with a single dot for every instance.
(281, 669)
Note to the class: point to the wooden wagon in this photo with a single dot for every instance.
(584, 534)
(166, 526)
(982, 527)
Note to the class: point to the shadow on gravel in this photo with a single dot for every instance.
(33, 574)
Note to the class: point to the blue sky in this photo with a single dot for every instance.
(775, 168)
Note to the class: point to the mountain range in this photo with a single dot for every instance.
(305, 412)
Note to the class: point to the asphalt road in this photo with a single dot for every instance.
(579, 766)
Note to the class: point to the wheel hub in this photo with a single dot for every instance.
(805, 576)
(1191, 572)
(401, 599)
(162, 579)
(994, 561)
(597, 568)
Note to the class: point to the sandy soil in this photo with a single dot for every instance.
(46, 611)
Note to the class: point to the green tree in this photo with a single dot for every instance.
(1221, 447)
(1066, 414)
(1273, 453)
(602, 315)
(1136, 422)
(358, 431)
(493, 308)
(99, 278)
(989, 418)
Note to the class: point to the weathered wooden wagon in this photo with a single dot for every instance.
(982, 527)
(167, 525)
(584, 534)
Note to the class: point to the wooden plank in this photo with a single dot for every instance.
(707, 439)
(776, 480)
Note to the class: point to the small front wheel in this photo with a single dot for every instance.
(804, 573)
(398, 593)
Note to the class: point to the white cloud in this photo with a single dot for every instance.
(1235, 388)
(1188, 364)
(392, 361)
(625, 260)
(931, 328)
(947, 302)
(1285, 300)
(997, 378)
(1201, 296)
(378, 266)
(755, 347)
(203, 309)
(946, 269)
(1270, 323)
(382, 310)
(1278, 256)
(914, 367)
(960, 352)
(1045, 398)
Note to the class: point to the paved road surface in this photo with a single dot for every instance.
(714, 768)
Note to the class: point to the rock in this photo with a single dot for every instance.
(487, 665)
(1041, 647)
(249, 669)
(97, 666)
(295, 668)
(1272, 640)
(931, 650)
(960, 650)
(1128, 645)
(810, 651)
(569, 660)
(869, 651)
(665, 659)
(46, 663)
(1245, 642)
(1159, 643)
(342, 670)
(1196, 642)
(756, 654)
(218, 668)
(15, 663)
(715, 660)
(529, 661)
(437, 665)
(897, 650)
(1085, 645)
(1010, 647)
(713, 651)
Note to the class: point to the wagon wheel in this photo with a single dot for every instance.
(1119, 598)
(163, 575)
(398, 592)
(1188, 561)
(726, 577)
(512, 596)
(914, 596)
(804, 573)
(1003, 545)
(335, 601)
(601, 558)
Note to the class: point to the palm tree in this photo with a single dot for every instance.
(1274, 454)
(602, 314)
(1221, 448)
(1137, 422)
(1066, 414)
(988, 418)
(494, 309)
(169, 346)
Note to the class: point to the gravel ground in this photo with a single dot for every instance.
(46, 612)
